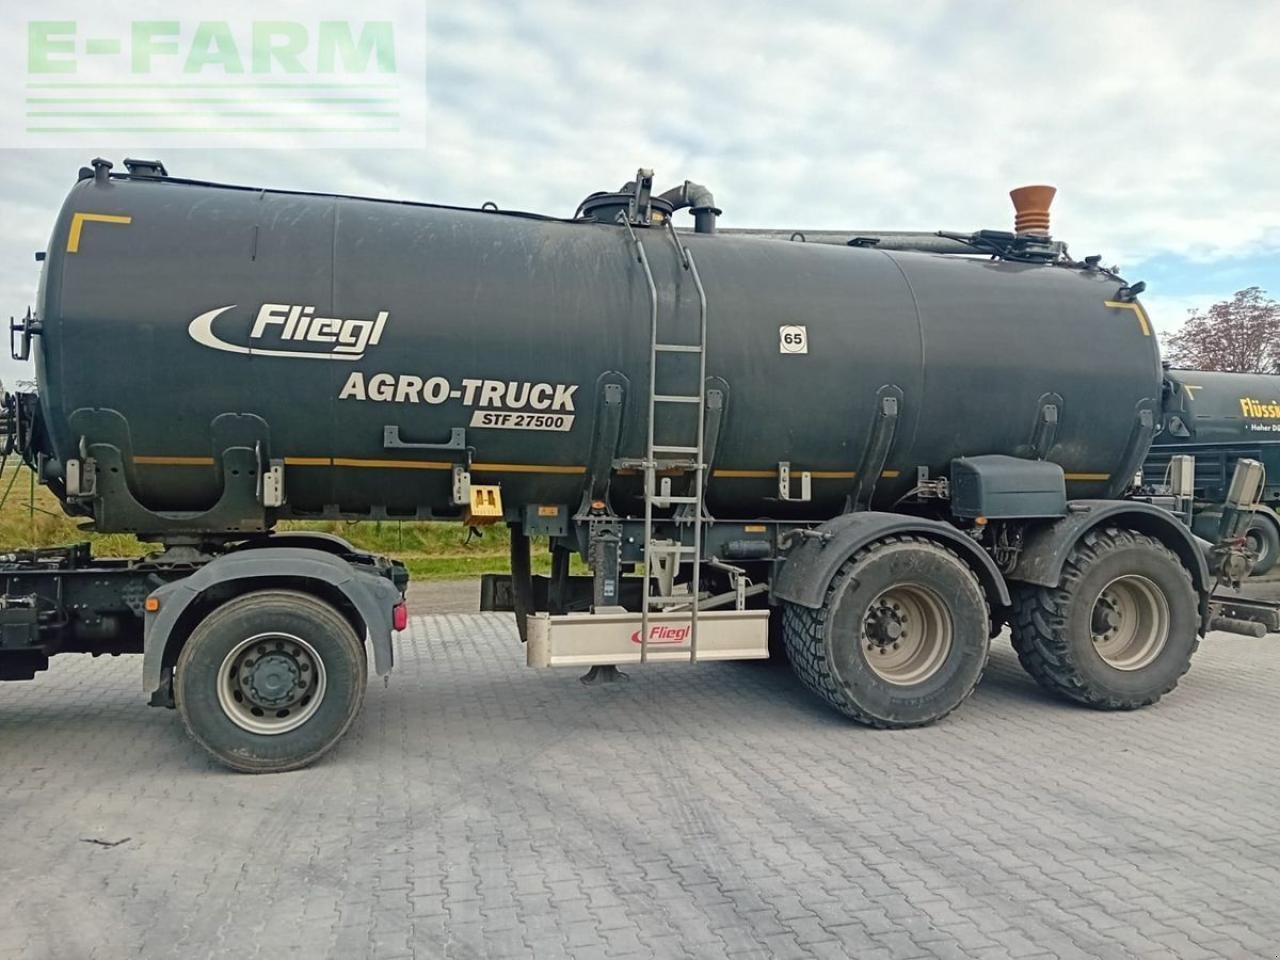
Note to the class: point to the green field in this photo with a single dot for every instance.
(30, 516)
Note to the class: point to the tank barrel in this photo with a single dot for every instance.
(442, 347)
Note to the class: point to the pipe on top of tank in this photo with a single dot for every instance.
(699, 201)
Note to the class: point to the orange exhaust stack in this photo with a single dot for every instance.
(1031, 208)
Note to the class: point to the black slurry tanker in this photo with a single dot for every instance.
(885, 446)
(1221, 419)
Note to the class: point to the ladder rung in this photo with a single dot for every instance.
(660, 448)
(677, 348)
(672, 601)
(675, 398)
(670, 500)
(668, 548)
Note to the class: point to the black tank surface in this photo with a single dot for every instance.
(1219, 418)
(1210, 407)
(175, 314)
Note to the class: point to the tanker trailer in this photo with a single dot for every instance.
(888, 446)
(1220, 419)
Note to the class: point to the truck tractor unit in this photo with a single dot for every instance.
(876, 450)
(1221, 419)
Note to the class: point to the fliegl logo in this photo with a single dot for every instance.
(660, 633)
(290, 330)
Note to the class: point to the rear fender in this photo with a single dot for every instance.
(811, 565)
(1046, 547)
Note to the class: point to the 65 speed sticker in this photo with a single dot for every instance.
(519, 420)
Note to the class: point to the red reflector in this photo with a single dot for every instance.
(400, 616)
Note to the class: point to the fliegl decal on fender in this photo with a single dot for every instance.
(499, 404)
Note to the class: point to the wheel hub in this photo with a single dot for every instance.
(906, 634)
(884, 625)
(272, 680)
(1106, 615)
(1130, 622)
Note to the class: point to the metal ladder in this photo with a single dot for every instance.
(664, 556)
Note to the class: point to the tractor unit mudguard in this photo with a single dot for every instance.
(317, 571)
(809, 567)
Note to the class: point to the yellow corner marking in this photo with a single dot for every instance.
(1087, 476)
(78, 220)
(1136, 308)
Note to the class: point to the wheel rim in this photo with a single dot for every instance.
(906, 634)
(271, 683)
(1130, 622)
(1257, 545)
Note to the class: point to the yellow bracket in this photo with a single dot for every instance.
(1136, 308)
(485, 506)
(78, 221)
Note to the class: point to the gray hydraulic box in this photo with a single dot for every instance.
(1003, 488)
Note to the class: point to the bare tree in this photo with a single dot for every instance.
(1240, 335)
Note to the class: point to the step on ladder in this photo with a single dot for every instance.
(663, 558)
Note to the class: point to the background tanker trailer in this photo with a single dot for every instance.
(891, 445)
(1220, 419)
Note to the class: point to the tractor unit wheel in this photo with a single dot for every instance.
(1263, 539)
(270, 681)
(1118, 631)
(901, 638)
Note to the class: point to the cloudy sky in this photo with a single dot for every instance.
(1158, 122)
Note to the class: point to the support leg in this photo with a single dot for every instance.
(521, 580)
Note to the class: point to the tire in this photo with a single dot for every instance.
(1085, 639)
(842, 651)
(307, 688)
(1264, 541)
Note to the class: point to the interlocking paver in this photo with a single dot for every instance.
(481, 809)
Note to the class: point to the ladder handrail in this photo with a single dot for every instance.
(652, 449)
(701, 464)
(643, 260)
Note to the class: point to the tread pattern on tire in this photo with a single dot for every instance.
(803, 635)
(1040, 623)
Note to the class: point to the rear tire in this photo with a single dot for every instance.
(1118, 631)
(270, 681)
(901, 638)
(1263, 538)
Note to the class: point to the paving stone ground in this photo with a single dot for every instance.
(482, 809)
